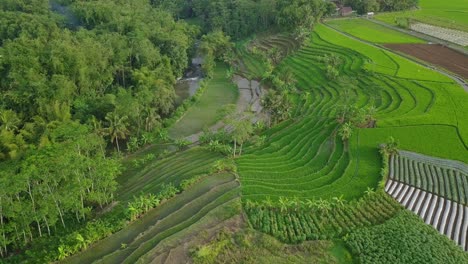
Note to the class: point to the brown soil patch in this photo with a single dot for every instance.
(436, 54)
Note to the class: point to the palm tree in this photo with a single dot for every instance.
(323, 205)
(152, 119)
(370, 115)
(117, 128)
(9, 120)
(310, 204)
(345, 132)
(283, 203)
(339, 201)
(294, 203)
(268, 202)
(249, 204)
(391, 147)
(369, 191)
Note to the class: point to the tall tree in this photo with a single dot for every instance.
(116, 128)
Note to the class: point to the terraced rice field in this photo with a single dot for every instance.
(205, 113)
(138, 241)
(172, 169)
(304, 158)
(369, 31)
(433, 188)
(284, 43)
(252, 66)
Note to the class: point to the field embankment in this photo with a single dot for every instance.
(173, 216)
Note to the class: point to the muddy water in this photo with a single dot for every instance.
(186, 88)
(188, 85)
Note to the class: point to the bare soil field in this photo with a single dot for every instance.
(436, 54)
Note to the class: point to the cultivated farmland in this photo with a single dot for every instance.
(304, 158)
(204, 113)
(369, 31)
(437, 55)
(450, 35)
(435, 189)
(174, 216)
(448, 14)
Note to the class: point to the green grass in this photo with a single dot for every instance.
(450, 14)
(444, 140)
(304, 158)
(205, 113)
(372, 32)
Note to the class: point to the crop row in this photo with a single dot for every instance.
(448, 217)
(297, 223)
(441, 177)
(174, 169)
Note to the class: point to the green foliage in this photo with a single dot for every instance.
(403, 239)
(249, 16)
(278, 105)
(185, 184)
(208, 253)
(224, 165)
(182, 143)
(364, 6)
(294, 220)
(64, 179)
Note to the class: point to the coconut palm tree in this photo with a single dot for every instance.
(116, 128)
(310, 203)
(391, 147)
(345, 132)
(9, 120)
(339, 201)
(369, 191)
(268, 202)
(283, 203)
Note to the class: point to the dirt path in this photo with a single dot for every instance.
(250, 93)
(457, 79)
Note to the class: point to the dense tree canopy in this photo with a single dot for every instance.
(240, 18)
(76, 78)
(363, 6)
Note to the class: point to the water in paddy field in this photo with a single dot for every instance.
(188, 85)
